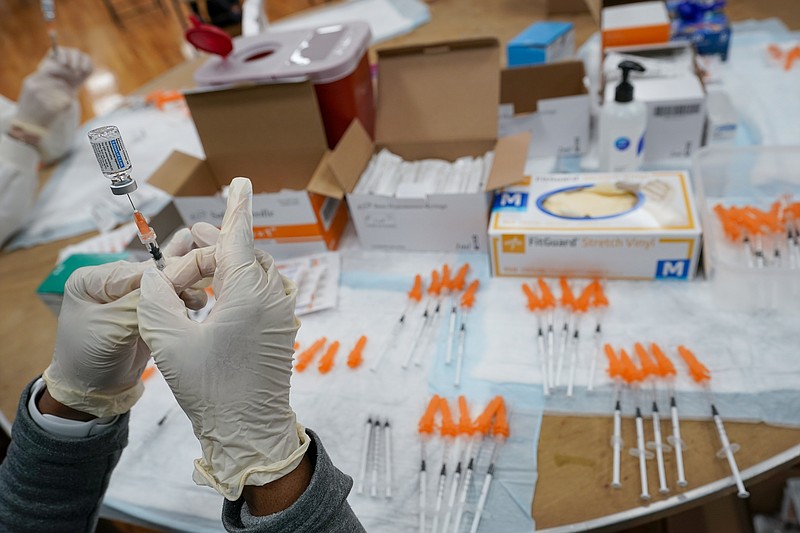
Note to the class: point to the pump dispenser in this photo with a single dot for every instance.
(622, 126)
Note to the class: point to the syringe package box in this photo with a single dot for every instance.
(434, 101)
(626, 226)
(271, 133)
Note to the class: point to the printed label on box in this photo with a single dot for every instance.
(448, 222)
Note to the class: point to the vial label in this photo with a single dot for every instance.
(111, 156)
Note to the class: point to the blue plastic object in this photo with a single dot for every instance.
(531, 46)
(704, 23)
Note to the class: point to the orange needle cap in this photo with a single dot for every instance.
(416, 291)
(356, 357)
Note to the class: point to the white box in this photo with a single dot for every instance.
(675, 116)
(438, 222)
(658, 238)
(284, 224)
(551, 103)
(635, 23)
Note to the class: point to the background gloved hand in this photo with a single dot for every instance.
(231, 373)
(99, 357)
(51, 90)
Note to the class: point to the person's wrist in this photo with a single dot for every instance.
(280, 494)
(25, 135)
(50, 406)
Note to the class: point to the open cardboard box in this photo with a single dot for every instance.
(549, 101)
(272, 134)
(434, 101)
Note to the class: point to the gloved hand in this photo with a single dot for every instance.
(231, 373)
(99, 357)
(51, 90)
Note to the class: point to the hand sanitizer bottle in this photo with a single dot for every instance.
(622, 126)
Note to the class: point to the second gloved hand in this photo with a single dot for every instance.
(231, 373)
(51, 89)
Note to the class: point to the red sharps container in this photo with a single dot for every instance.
(333, 57)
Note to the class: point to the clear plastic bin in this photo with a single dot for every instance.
(756, 176)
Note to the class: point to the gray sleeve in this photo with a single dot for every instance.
(322, 508)
(53, 483)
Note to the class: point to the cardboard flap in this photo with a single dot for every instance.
(184, 175)
(324, 182)
(271, 133)
(525, 86)
(351, 156)
(510, 154)
(439, 92)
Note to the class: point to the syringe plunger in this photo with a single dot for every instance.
(113, 158)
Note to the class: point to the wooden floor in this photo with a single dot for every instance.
(148, 43)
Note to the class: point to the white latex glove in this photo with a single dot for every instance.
(99, 357)
(51, 90)
(231, 373)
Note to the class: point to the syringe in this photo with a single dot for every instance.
(148, 238)
(115, 165)
(49, 14)
(727, 451)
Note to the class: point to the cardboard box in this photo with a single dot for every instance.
(654, 239)
(272, 134)
(434, 101)
(542, 42)
(634, 24)
(551, 103)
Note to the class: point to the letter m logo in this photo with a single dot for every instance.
(672, 269)
(511, 201)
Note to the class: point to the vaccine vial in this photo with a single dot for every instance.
(113, 158)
